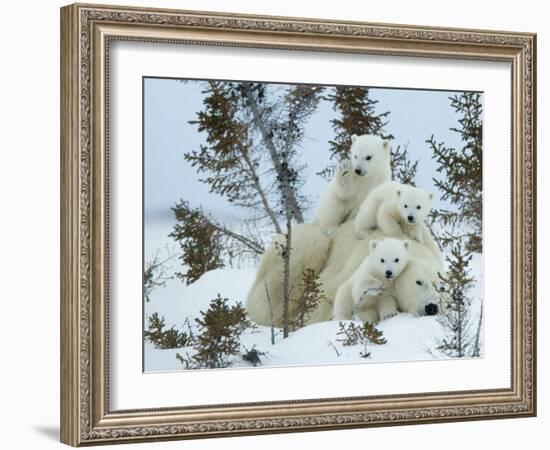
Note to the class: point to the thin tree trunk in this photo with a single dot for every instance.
(477, 351)
(286, 276)
(270, 315)
(460, 325)
(261, 192)
(291, 198)
(252, 245)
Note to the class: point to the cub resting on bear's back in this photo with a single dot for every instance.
(368, 167)
(394, 208)
(388, 258)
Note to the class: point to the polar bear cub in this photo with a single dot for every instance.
(395, 208)
(387, 259)
(368, 167)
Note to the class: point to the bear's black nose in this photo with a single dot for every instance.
(358, 171)
(410, 219)
(431, 309)
(389, 273)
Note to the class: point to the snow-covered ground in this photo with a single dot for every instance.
(408, 338)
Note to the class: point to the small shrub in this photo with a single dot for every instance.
(253, 356)
(217, 340)
(161, 338)
(352, 334)
(312, 293)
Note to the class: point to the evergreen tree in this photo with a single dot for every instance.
(312, 294)
(253, 132)
(162, 338)
(357, 115)
(402, 168)
(154, 274)
(218, 338)
(459, 340)
(461, 170)
(200, 241)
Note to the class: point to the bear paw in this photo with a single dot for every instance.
(372, 291)
(384, 315)
(344, 168)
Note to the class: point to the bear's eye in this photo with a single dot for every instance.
(396, 260)
(419, 282)
(406, 206)
(368, 158)
(418, 207)
(382, 261)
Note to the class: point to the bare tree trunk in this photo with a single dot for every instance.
(286, 275)
(252, 245)
(261, 192)
(477, 351)
(460, 325)
(291, 198)
(270, 315)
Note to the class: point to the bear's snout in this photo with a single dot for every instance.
(431, 309)
(358, 171)
(410, 219)
(389, 274)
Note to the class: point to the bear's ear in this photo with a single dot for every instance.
(386, 144)
(373, 244)
(353, 138)
(407, 244)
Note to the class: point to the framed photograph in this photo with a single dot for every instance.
(278, 224)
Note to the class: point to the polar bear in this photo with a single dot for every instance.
(310, 249)
(417, 291)
(387, 259)
(368, 166)
(395, 208)
(347, 253)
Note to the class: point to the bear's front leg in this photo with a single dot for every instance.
(343, 303)
(387, 307)
(368, 315)
(386, 222)
(368, 293)
(416, 233)
(344, 180)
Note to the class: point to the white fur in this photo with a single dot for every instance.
(310, 248)
(368, 166)
(347, 253)
(394, 207)
(388, 258)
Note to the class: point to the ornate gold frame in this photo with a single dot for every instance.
(86, 31)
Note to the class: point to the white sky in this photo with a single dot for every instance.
(169, 104)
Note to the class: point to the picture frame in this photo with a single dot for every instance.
(87, 32)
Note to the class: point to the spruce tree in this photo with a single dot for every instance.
(459, 340)
(357, 115)
(253, 132)
(217, 340)
(200, 242)
(461, 172)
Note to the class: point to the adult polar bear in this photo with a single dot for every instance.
(368, 167)
(413, 290)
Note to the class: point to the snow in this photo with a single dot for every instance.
(408, 338)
